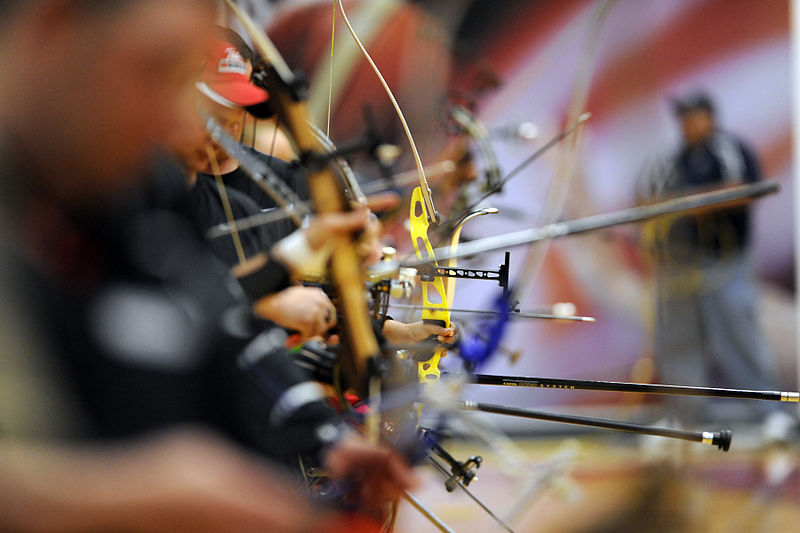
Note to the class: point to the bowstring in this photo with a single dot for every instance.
(330, 70)
(226, 205)
(423, 182)
(556, 197)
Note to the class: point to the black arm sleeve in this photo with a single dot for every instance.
(272, 277)
(279, 410)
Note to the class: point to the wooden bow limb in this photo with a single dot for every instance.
(430, 209)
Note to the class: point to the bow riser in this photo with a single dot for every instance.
(433, 292)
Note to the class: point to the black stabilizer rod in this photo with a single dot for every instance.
(720, 439)
(647, 388)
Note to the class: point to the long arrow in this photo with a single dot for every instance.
(513, 314)
(647, 388)
(720, 439)
(626, 216)
(259, 219)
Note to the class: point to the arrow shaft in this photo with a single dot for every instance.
(427, 513)
(602, 221)
(720, 439)
(513, 314)
(646, 388)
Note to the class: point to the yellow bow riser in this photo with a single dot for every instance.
(433, 292)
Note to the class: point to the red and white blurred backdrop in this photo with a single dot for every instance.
(532, 53)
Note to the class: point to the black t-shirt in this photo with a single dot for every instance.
(719, 232)
(126, 298)
(129, 301)
(206, 208)
(291, 174)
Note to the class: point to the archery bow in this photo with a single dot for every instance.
(422, 214)
(478, 350)
(329, 197)
(467, 124)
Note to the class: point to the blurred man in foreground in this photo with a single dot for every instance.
(89, 88)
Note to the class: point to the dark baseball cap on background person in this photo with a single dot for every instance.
(695, 101)
(226, 78)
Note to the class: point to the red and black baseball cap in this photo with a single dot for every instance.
(225, 78)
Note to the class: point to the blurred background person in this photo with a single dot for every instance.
(707, 331)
